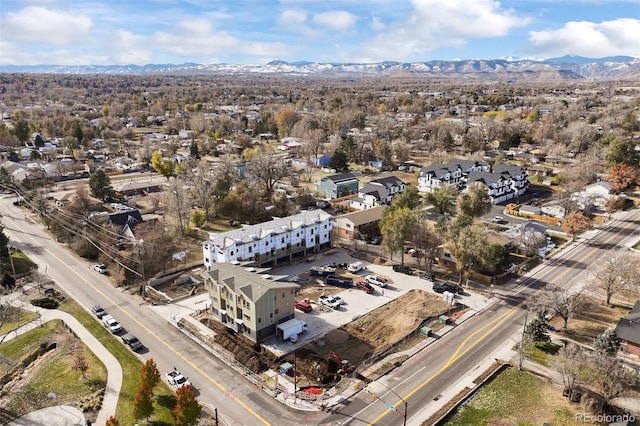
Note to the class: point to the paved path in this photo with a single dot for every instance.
(69, 416)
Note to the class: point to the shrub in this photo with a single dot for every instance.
(45, 303)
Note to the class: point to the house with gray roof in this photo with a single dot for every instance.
(628, 331)
(267, 243)
(337, 186)
(452, 173)
(378, 192)
(248, 302)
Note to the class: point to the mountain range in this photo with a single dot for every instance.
(555, 69)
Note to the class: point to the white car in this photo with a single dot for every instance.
(330, 301)
(497, 219)
(101, 268)
(111, 323)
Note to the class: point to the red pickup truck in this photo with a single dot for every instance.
(365, 286)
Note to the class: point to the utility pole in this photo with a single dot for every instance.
(521, 348)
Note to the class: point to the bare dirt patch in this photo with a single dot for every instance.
(355, 341)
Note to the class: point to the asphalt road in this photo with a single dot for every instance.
(418, 381)
(425, 376)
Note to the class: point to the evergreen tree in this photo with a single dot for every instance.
(339, 161)
(4, 245)
(538, 328)
(100, 185)
(607, 342)
(8, 281)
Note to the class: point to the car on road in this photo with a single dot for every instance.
(100, 267)
(176, 379)
(450, 287)
(132, 341)
(112, 325)
(365, 286)
(429, 276)
(377, 280)
(98, 311)
(303, 306)
(497, 219)
(404, 269)
(376, 241)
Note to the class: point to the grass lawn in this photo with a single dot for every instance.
(53, 372)
(517, 398)
(21, 262)
(22, 317)
(165, 398)
(540, 352)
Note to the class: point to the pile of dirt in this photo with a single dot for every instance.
(246, 352)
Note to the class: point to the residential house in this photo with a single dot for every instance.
(126, 221)
(517, 174)
(65, 199)
(628, 331)
(247, 302)
(377, 164)
(378, 192)
(360, 224)
(337, 186)
(269, 242)
(498, 186)
(452, 173)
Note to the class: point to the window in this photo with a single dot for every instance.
(250, 249)
(311, 231)
(231, 253)
(259, 320)
(271, 315)
(283, 294)
(276, 312)
(282, 240)
(266, 243)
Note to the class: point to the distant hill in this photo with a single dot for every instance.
(556, 69)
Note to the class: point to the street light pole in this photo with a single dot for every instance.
(391, 406)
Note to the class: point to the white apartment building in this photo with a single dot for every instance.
(263, 244)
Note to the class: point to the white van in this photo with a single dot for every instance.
(355, 267)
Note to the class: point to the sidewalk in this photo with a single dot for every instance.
(69, 415)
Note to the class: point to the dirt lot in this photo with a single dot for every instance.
(354, 342)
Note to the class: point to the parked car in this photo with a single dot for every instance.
(497, 219)
(429, 276)
(98, 311)
(101, 268)
(450, 287)
(365, 286)
(376, 241)
(377, 280)
(404, 269)
(330, 301)
(111, 324)
(303, 306)
(132, 341)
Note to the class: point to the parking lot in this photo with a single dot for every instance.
(357, 302)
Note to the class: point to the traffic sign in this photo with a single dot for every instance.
(390, 406)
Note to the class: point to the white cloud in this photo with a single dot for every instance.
(338, 20)
(47, 26)
(193, 38)
(591, 39)
(376, 24)
(125, 48)
(292, 18)
(433, 24)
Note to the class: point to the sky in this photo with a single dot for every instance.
(106, 32)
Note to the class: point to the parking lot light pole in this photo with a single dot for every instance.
(391, 406)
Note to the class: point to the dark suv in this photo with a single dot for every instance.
(132, 341)
(451, 288)
(404, 269)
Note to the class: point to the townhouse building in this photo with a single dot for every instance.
(248, 303)
(378, 192)
(267, 243)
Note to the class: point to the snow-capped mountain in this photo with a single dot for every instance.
(556, 69)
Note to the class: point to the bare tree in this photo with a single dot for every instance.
(80, 362)
(177, 201)
(268, 168)
(616, 273)
(426, 241)
(571, 363)
(610, 377)
(202, 179)
(559, 301)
